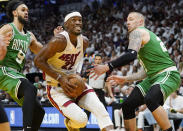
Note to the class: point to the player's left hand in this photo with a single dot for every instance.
(57, 30)
(116, 80)
(98, 70)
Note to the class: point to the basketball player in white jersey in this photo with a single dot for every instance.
(62, 54)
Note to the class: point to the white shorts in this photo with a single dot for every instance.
(72, 108)
(58, 98)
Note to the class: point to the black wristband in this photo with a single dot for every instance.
(110, 66)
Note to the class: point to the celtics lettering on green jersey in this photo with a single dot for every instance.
(19, 44)
(153, 56)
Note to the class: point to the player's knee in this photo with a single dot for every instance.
(81, 120)
(100, 110)
(28, 87)
(154, 98)
(151, 103)
(128, 110)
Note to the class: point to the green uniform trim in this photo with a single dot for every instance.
(169, 82)
(10, 82)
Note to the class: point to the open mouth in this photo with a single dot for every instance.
(78, 28)
(26, 17)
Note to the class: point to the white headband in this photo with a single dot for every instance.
(68, 16)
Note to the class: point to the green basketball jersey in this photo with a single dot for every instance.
(19, 44)
(154, 56)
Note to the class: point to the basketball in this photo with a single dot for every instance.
(79, 84)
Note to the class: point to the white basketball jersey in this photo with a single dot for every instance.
(66, 61)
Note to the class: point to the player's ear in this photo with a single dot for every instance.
(141, 21)
(14, 13)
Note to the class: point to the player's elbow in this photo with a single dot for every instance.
(37, 61)
(2, 53)
(2, 57)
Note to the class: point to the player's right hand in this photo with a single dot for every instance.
(116, 80)
(68, 88)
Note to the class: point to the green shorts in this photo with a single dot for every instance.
(10, 82)
(169, 81)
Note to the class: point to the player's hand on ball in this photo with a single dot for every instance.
(67, 86)
(116, 80)
(73, 85)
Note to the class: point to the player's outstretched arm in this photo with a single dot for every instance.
(140, 75)
(135, 41)
(120, 80)
(35, 46)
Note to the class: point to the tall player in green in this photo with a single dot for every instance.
(11, 78)
(160, 73)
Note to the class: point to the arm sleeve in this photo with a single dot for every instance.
(124, 59)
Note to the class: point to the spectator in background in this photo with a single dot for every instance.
(144, 113)
(39, 86)
(174, 107)
(118, 114)
(99, 84)
(118, 119)
(37, 82)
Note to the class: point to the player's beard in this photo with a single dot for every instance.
(77, 33)
(22, 20)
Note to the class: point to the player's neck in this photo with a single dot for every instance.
(19, 25)
(73, 38)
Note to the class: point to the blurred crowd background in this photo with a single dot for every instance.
(104, 23)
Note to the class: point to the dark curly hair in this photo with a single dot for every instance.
(12, 5)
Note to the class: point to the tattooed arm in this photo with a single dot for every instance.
(135, 40)
(141, 74)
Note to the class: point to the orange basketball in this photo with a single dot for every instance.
(79, 84)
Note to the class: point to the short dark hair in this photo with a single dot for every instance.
(12, 5)
(98, 55)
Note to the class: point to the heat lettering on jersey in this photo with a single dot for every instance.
(69, 59)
